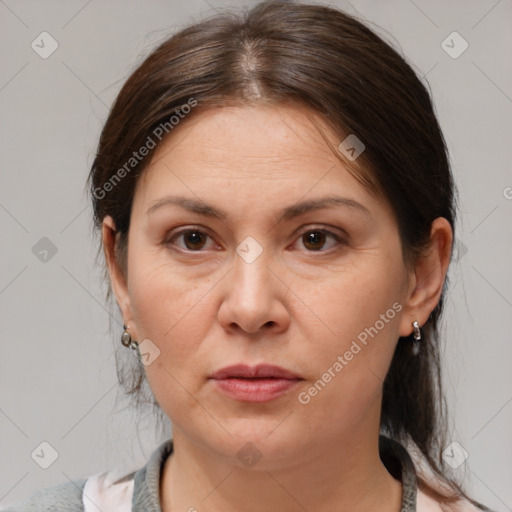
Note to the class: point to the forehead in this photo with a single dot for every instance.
(250, 133)
(262, 154)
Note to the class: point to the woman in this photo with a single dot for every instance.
(277, 216)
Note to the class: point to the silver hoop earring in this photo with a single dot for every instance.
(416, 338)
(126, 339)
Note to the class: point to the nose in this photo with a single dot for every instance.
(253, 298)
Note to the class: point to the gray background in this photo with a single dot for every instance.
(57, 370)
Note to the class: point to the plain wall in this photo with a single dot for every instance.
(57, 371)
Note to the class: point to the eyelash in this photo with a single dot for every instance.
(169, 240)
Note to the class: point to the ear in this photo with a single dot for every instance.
(427, 277)
(117, 278)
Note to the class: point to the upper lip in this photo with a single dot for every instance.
(258, 371)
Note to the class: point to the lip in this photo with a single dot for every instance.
(260, 371)
(259, 383)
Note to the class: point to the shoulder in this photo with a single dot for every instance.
(414, 498)
(65, 497)
(426, 503)
(107, 491)
(112, 490)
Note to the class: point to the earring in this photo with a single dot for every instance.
(416, 338)
(126, 339)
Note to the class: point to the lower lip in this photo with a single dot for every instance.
(255, 390)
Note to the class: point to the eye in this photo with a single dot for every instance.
(315, 239)
(193, 239)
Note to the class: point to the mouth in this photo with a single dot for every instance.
(259, 372)
(260, 383)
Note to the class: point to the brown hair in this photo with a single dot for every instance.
(322, 59)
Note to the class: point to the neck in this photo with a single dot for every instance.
(346, 475)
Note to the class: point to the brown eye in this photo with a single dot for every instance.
(192, 240)
(315, 240)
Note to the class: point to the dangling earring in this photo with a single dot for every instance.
(416, 338)
(126, 339)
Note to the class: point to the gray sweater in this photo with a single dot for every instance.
(68, 497)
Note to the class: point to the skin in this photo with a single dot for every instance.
(299, 305)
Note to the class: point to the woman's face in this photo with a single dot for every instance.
(320, 292)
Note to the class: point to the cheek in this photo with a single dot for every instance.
(360, 313)
(352, 301)
(169, 309)
(172, 312)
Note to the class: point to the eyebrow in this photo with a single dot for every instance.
(290, 212)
